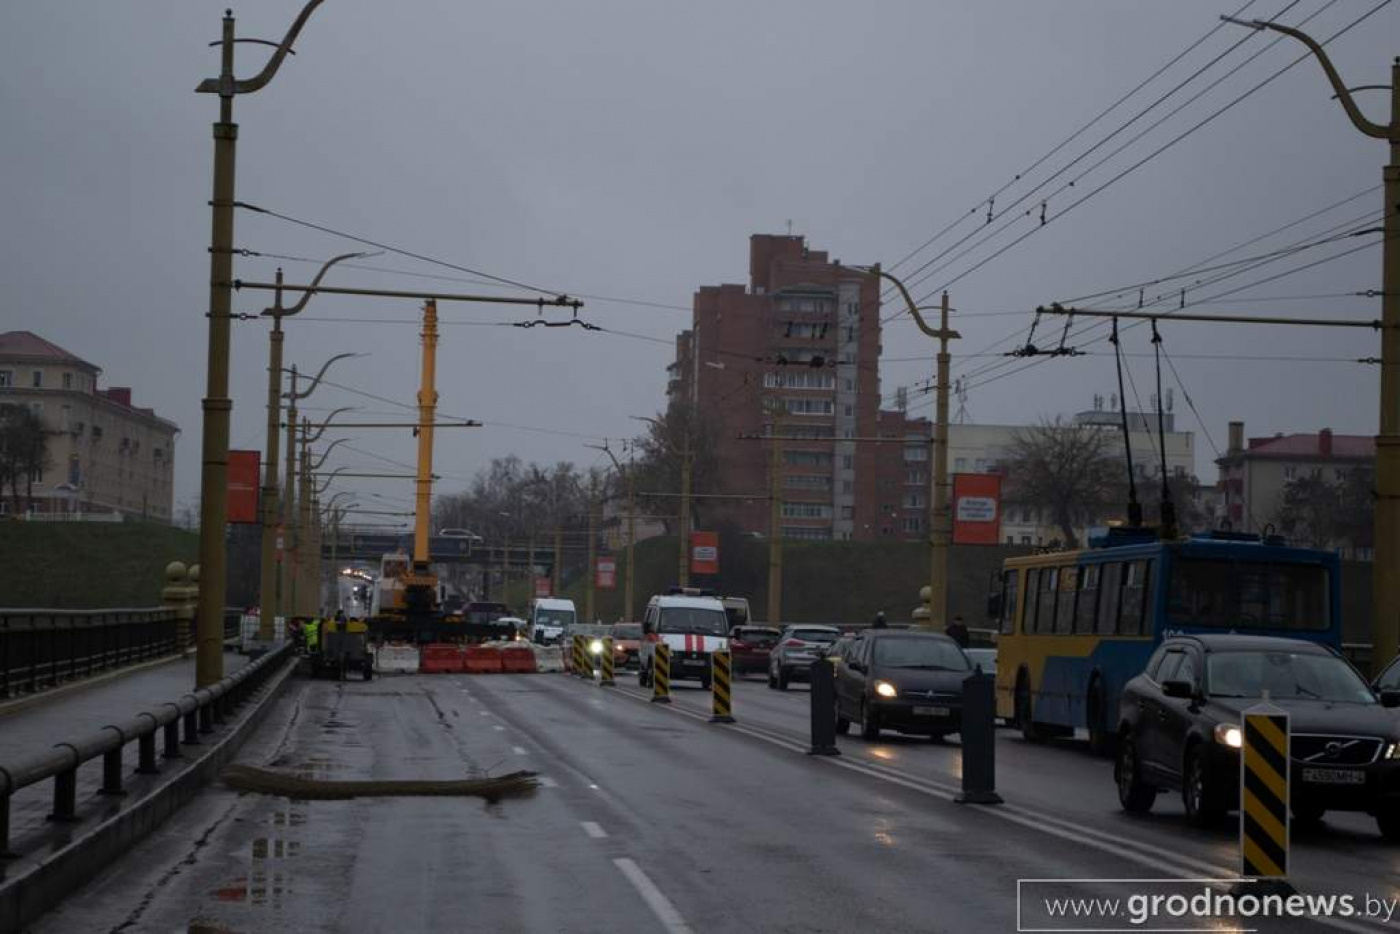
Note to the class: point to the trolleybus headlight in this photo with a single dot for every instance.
(885, 689)
(596, 646)
(1228, 734)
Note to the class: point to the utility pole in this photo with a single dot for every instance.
(627, 478)
(683, 570)
(305, 599)
(589, 604)
(940, 526)
(287, 569)
(213, 518)
(775, 527)
(1385, 562)
(270, 574)
(558, 557)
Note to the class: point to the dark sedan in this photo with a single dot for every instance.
(910, 682)
(1179, 728)
(750, 646)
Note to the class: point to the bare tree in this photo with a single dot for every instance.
(24, 452)
(1326, 514)
(662, 451)
(1066, 470)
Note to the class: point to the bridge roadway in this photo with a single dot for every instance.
(650, 820)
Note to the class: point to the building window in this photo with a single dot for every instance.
(848, 461)
(1010, 539)
(75, 470)
(7, 378)
(67, 380)
(810, 406)
(1290, 473)
(799, 381)
(1025, 539)
(915, 454)
(807, 458)
(960, 465)
(912, 477)
(912, 524)
(806, 533)
(97, 432)
(807, 481)
(806, 511)
(848, 486)
(913, 501)
(848, 512)
(850, 385)
(38, 379)
(849, 409)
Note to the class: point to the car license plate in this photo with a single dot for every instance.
(930, 711)
(1335, 776)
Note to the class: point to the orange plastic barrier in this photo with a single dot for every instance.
(481, 659)
(518, 659)
(440, 658)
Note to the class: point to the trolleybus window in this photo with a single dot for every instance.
(1069, 589)
(1088, 599)
(1045, 600)
(1108, 609)
(1008, 601)
(1135, 605)
(1248, 594)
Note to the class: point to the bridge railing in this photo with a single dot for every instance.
(196, 712)
(42, 648)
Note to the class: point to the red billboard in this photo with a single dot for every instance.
(606, 576)
(542, 586)
(243, 468)
(976, 509)
(704, 552)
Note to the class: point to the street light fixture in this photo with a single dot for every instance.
(1385, 560)
(217, 406)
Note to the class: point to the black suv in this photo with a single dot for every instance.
(1179, 728)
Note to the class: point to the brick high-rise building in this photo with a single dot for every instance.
(802, 340)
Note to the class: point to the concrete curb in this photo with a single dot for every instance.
(29, 893)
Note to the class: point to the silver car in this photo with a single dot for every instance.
(796, 650)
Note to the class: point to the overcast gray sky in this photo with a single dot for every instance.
(628, 149)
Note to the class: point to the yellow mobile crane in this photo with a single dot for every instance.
(420, 585)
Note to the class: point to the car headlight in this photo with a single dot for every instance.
(1392, 751)
(596, 646)
(1228, 734)
(885, 689)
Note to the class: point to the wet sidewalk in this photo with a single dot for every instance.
(34, 724)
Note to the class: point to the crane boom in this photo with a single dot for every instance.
(427, 410)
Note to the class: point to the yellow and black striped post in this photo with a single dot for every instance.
(607, 663)
(661, 674)
(580, 663)
(1264, 793)
(721, 677)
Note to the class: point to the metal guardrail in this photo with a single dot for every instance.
(197, 712)
(42, 648)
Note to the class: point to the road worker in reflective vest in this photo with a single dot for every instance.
(312, 633)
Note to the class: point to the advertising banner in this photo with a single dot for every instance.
(243, 469)
(704, 552)
(606, 578)
(976, 509)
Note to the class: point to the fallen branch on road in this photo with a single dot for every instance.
(269, 782)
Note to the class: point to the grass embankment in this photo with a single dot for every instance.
(83, 565)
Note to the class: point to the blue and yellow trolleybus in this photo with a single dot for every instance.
(1075, 626)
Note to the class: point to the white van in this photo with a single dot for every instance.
(549, 617)
(693, 628)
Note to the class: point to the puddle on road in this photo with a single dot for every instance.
(269, 879)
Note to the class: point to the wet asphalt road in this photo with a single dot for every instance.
(650, 820)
